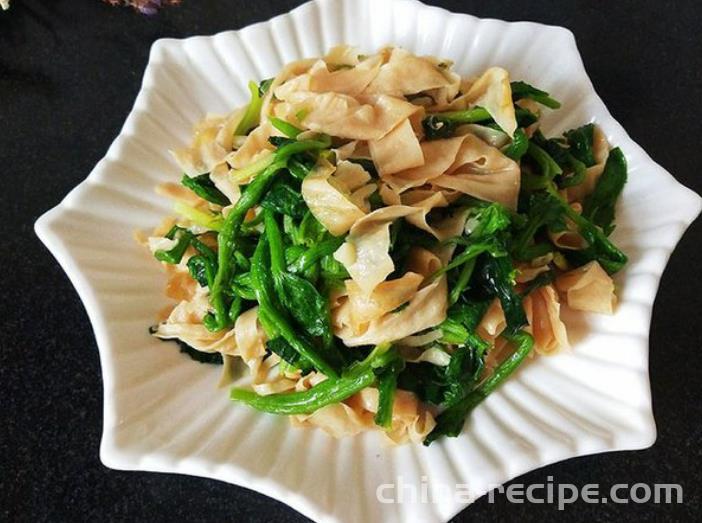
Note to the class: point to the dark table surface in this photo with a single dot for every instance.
(69, 72)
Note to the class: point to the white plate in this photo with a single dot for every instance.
(163, 412)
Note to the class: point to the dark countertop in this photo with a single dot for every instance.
(69, 72)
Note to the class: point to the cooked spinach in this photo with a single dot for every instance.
(202, 270)
(524, 90)
(173, 255)
(387, 385)
(332, 390)
(284, 198)
(288, 354)
(253, 110)
(599, 206)
(450, 422)
(580, 141)
(205, 188)
(266, 171)
(518, 146)
(443, 125)
(495, 275)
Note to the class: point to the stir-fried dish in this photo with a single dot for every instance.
(383, 242)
